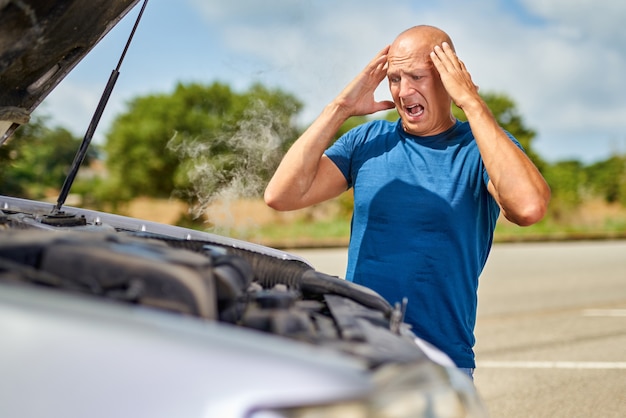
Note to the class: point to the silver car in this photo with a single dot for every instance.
(108, 316)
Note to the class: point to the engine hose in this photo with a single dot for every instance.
(316, 282)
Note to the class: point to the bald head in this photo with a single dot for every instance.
(427, 35)
(415, 84)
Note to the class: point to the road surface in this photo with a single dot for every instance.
(551, 330)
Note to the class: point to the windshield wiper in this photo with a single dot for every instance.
(82, 151)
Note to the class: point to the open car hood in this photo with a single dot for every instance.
(41, 41)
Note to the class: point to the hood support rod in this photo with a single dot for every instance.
(82, 151)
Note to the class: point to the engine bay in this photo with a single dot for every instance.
(212, 281)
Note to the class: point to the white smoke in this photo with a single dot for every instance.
(256, 146)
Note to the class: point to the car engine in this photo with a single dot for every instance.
(208, 280)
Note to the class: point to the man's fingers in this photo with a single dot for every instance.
(446, 56)
(380, 62)
(384, 105)
(381, 56)
(357, 98)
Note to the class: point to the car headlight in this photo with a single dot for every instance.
(422, 390)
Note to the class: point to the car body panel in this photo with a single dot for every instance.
(104, 315)
(74, 358)
(37, 210)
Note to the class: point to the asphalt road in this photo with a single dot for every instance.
(551, 330)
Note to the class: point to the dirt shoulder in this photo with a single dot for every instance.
(592, 221)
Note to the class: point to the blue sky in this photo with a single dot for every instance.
(562, 62)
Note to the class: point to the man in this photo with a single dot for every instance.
(428, 189)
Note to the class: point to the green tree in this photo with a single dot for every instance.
(607, 179)
(9, 182)
(38, 158)
(197, 139)
(568, 180)
(508, 116)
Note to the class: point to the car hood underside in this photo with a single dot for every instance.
(40, 42)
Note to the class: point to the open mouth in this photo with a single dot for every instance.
(415, 110)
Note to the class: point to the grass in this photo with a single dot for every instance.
(549, 230)
(324, 225)
(298, 233)
(319, 230)
(336, 233)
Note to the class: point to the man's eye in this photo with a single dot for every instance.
(394, 79)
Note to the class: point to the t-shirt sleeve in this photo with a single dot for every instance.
(340, 153)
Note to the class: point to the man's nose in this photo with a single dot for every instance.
(405, 88)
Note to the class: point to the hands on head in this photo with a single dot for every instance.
(357, 98)
(454, 75)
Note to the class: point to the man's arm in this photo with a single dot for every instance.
(306, 176)
(515, 182)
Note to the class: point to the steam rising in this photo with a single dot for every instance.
(218, 180)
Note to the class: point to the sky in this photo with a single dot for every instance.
(562, 62)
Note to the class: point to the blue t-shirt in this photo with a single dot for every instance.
(422, 225)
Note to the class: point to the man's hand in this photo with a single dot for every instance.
(454, 76)
(306, 176)
(357, 99)
(514, 181)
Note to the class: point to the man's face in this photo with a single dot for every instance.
(421, 99)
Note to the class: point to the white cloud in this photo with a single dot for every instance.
(310, 48)
(598, 19)
(562, 62)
